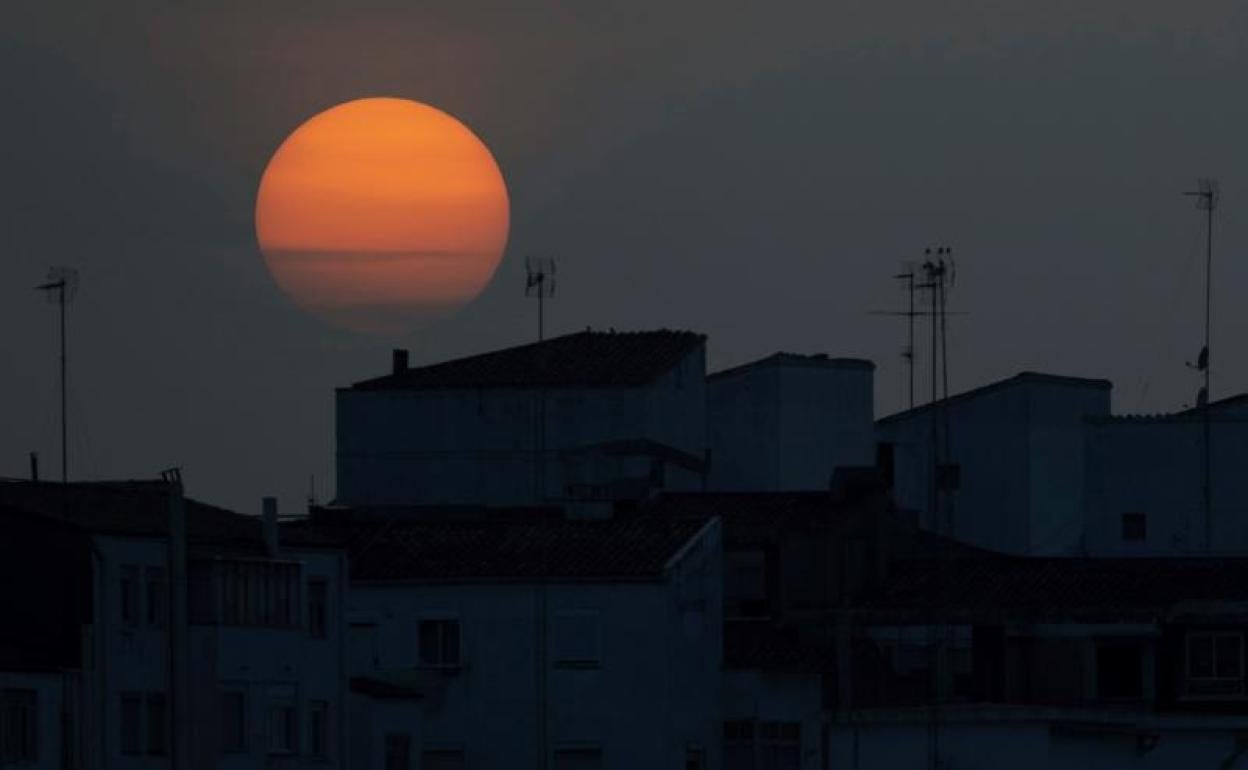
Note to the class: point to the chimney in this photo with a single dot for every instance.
(34, 466)
(268, 525)
(400, 360)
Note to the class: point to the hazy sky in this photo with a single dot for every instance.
(754, 171)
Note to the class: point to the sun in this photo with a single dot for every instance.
(380, 215)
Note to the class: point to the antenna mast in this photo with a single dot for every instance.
(60, 287)
(1207, 194)
(540, 283)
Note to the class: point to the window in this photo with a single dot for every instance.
(1134, 527)
(157, 725)
(398, 751)
(283, 727)
(780, 745)
(245, 593)
(131, 724)
(318, 608)
(439, 642)
(1215, 664)
(886, 462)
(578, 759)
(739, 745)
(577, 640)
(442, 759)
(1120, 669)
(318, 729)
(19, 735)
(695, 759)
(129, 595)
(233, 723)
(157, 597)
(745, 594)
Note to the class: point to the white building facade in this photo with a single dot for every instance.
(609, 662)
(787, 422)
(1019, 450)
(524, 425)
(1146, 483)
(243, 667)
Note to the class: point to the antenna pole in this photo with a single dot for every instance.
(541, 309)
(64, 410)
(1206, 196)
(910, 337)
(1205, 427)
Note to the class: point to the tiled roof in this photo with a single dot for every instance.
(515, 548)
(586, 360)
(1061, 586)
(135, 508)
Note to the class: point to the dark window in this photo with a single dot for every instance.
(283, 727)
(780, 745)
(439, 642)
(1120, 669)
(318, 608)
(739, 745)
(130, 595)
(695, 758)
(578, 759)
(131, 724)
(19, 734)
(442, 759)
(233, 723)
(157, 725)
(157, 597)
(398, 751)
(246, 593)
(318, 729)
(1134, 527)
(885, 461)
(745, 592)
(1215, 664)
(949, 477)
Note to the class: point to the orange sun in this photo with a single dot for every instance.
(381, 214)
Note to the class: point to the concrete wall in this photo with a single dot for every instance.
(1020, 447)
(1153, 466)
(655, 692)
(482, 446)
(787, 422)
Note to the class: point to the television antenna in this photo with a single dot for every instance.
(1207, 194)
(908, 275)
(61, 286)
(540, 283)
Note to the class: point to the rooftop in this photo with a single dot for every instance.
(587, 359)
(1062, 586)
(468, 546)
(1022, 378)
(818, 360)
(138, 508)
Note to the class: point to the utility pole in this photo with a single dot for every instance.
(60, 288)
(1207, 195)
